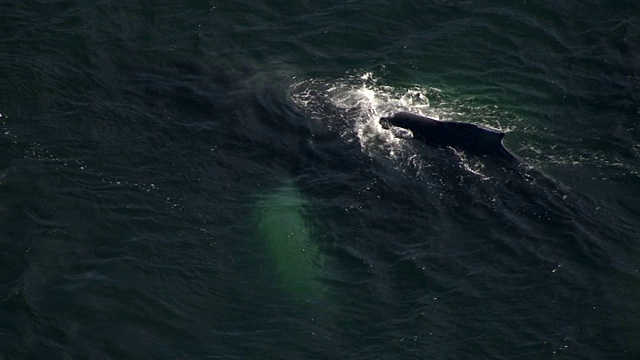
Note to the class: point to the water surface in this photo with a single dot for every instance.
(139, 139)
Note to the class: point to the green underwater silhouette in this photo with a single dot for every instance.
(288, 238)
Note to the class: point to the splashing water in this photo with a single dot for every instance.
(353, 105)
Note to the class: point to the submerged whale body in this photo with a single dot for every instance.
(464, 136)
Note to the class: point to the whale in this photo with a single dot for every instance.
(468, 137)
(282, 224)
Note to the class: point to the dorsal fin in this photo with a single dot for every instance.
(495, 131)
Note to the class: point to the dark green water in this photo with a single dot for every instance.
(209, 180)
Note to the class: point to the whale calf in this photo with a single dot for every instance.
(288, 239)
(464, 136)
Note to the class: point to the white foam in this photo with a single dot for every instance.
(353, 105)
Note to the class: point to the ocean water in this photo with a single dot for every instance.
(208, 179)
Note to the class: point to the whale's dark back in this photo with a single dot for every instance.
(464, 136)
